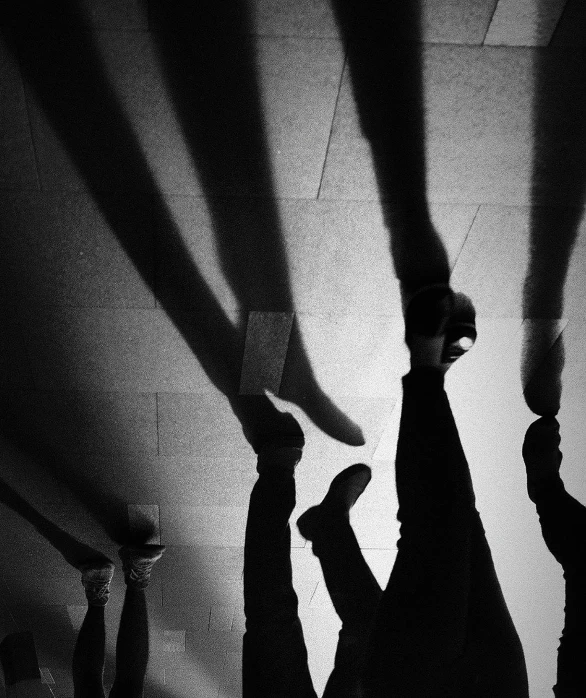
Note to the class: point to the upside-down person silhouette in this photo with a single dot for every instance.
(441, 627)
(18, 653)
(563, 524)
(132, 646)
(17, 650)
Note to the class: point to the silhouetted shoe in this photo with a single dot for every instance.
(137, 563)
(277, 458)
(344, 490)
(285, 433)
(542, 454)
(262, 422)
(96, 576)
(460, 331)
(428, 311)
(426, 317)
(280, 451)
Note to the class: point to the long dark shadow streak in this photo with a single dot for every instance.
(559, 178)
(59, 61)
(384, 46)
(54, 48)
(208, 57)
(73, 550)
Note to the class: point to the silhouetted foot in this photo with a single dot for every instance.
(96, 576)
(460, 332)
(426, 318)
(137, 563)
(263, 423)
(542, 454)
(278, 460)
(542, 365)
(280, 452)
(327, 417)
(298, 385)
(344, 490)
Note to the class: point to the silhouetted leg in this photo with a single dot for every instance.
(353, 589)
(563, 524)
(132, 646)
(443, 628)
(274, 652)
(355, 594)
(89, 655)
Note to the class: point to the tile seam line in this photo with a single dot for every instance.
(490, 22)
(157, 423)
(304, 37)
(466, 238)
(327, 149)
(557, 25)
(30, 126)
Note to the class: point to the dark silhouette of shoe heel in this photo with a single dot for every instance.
(428, 311)
(308, 522)
(460, 329)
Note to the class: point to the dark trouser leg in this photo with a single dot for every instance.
(89, 655)
(563, 524)
(132, 646)
(355, 594)
(442, 622)
(274, 654)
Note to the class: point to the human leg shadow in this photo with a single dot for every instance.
(353, 589)
(60, 63)
(53, 48)
(208, 58)
(384, 58)
(73, 551)
(558, 173)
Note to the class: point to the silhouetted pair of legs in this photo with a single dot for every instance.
(132, 650)
(563, 524)
(132, 646)
(441, 627)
